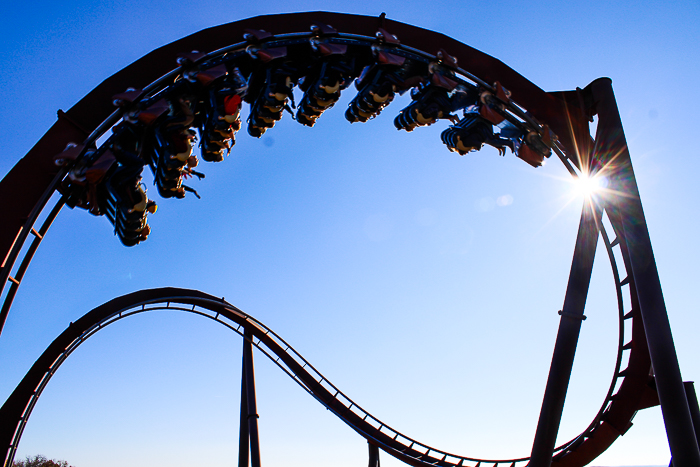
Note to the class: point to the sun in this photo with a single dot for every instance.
(588, 185)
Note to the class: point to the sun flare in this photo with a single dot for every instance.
(588, 185)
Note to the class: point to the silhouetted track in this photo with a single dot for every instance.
(21, 402)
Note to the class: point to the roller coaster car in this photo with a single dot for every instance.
(433, 101)
(534, 148)
(135, 114)
(376, 87)
(68, 157)
(155, 135)
(95, 176)
(127, 206)
(128, 143)
(180, 114)
(80, 188)
(221, 117)
(492, 106)
(137, 117)
(126, 98)
(172, 141)
(115, 190)
(471, 133)
(188, 60)
(174, 151)
(323, 82)
(176, 145)
(272, 92)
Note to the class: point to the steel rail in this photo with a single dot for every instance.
(6, 270)
(28, 256)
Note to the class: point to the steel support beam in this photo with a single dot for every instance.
(567, 337)
(248, 438)
(612, 152)
(373, 455)
(243, 433)
(692, 398)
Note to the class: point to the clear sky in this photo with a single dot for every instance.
(423, 284)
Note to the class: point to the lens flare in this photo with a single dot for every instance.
(588, 185)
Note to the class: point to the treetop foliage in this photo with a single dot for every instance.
(40, 461)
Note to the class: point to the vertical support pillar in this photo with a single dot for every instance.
(567, 337)
(248, 438)
(373, 455)
(612, 153)
(243, 434)
(692, 398)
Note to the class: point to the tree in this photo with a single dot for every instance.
(40, 461)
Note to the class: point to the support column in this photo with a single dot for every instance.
(248, 438)
(373, 455)
(692, 398)
(612, 152)
(567, 337)
(243, 434)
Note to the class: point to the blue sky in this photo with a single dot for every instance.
(383, 258)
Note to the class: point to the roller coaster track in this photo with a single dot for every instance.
(22, 401)
(35, 179)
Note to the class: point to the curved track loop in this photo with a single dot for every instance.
(34, 179)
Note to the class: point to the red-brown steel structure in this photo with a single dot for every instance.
(34, 179)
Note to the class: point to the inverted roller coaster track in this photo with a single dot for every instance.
(34, 180)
